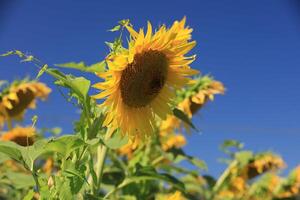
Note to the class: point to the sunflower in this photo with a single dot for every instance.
(261, 164)
(192, 103)
(23, 136)
(19, 96)
(141, 80)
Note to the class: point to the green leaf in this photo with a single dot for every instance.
(124, 22)
(79, 86)
(198, 163)
(42, 71)
(116, 28)
(96, 127)
(8, 53)
(244, 157)
(116, 141)
(64, 145)
(150, 173)
(115, 46)
(31, 153)
(64, 189)
(29, 195)
(11, 149)
(94, 68)
(182, 116)
(3, 157)
(179, 155)
(75, 173)
(20, 180)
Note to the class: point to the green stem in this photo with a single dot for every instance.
(100, 164)
(224, 176)
(101, 155)
(36, 182)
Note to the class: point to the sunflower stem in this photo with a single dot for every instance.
(101, 155)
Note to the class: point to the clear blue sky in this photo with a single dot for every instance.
(253, 47)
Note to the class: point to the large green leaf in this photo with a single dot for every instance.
(79, 86)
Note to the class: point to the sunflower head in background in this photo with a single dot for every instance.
(19, 96)
(191, 100)
(141, 80)
(23, 136)
(262, 163)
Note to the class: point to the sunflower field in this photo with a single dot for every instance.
(128, 142)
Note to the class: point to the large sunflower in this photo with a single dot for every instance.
(19, 96)
(141, 81)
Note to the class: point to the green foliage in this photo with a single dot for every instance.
(117, 140)
(94, 68)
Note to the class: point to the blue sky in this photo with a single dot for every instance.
(251, 46)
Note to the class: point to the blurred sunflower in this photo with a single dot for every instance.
(20, 95)
(141, 80)
(203, 90)
(23, 136)
(262, 163)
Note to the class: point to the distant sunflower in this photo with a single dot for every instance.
(261, 164)
(191, 104)
(23, 136)
(16, 98)
(141, 80)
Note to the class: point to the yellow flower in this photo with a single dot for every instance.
(190, 105)
(174, 140)
(20, 96)
(141, 81)
(23, 136)
(263, 163)
(128, 149)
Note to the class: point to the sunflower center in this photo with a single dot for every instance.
(25, 98)
(143, 79)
